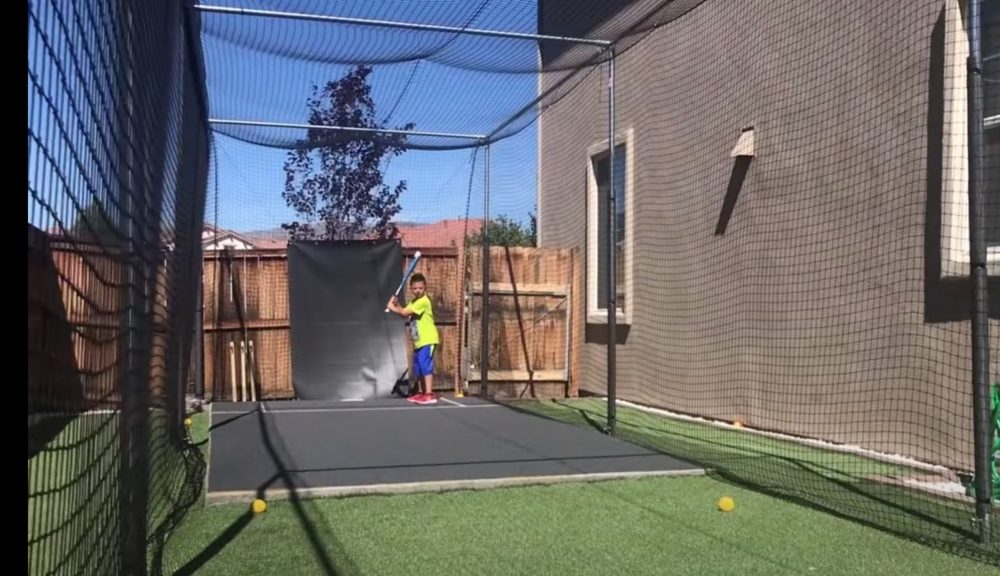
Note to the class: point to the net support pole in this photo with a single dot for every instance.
(375, 23)
(484, 336)
(347, 129)
(612, 264)
(133, 389)
(982, 423)
(197, 345)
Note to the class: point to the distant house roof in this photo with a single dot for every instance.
(441, 234)
(270, 243)
(213, 238)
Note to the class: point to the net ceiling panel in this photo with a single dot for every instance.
(457, 82)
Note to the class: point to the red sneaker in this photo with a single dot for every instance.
(425, 399)
(415, 398)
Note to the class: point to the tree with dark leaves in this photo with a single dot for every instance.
(334, 181)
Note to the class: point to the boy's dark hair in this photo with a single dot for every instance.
(418, 277)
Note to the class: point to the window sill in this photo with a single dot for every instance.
(595, 316)
(958, 265)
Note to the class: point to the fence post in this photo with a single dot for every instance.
(982, 424)
(197, 345)
(484, 337)
(611, 241)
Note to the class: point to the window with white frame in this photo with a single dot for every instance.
(599, 175)
(955, 200)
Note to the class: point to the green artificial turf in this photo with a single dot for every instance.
(649, 526)
(74, 492)
(839, 483)
(799, 510)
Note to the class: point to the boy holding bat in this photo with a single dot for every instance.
(420, 318)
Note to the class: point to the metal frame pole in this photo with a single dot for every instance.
(393, 24)
(484, 337)
(610, 240)
(199, 330)
(982, 423)
(267, 124)
(133, 408)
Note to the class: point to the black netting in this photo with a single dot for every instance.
(791, 222)
(790, 249)
(410, 68)
(790, 244)
(117, 161)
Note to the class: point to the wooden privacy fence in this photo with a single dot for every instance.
(74, 307)
(246, 347)
(532, 341)
(77, 324)
(535, 330)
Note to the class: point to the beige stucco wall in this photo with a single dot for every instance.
(821, 310)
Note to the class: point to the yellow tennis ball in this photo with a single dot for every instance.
(259, 506)
(726, 504)
(187, 422)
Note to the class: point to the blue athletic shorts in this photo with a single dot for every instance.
(423, 361)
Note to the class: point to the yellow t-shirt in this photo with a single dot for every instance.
(422, 328)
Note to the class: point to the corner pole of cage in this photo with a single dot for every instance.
(983, 432)
(484, 340)
(611, 279)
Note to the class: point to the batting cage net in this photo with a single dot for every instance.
(118, 155)
(760, 237)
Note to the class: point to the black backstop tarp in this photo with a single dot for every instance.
(344, 344)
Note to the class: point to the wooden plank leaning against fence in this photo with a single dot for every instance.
(533, 341)
(77, 318)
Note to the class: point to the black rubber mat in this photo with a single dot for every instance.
(318, 444)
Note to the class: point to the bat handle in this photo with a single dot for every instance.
(395, 294)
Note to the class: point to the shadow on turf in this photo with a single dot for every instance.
(309, 526)
(216, 546)
(190, 492)
(316, 540)
(935, 523)
(312, 531)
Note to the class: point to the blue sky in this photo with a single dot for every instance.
(261, 69)
(251, 179)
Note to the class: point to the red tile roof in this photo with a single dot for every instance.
(441, 234)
